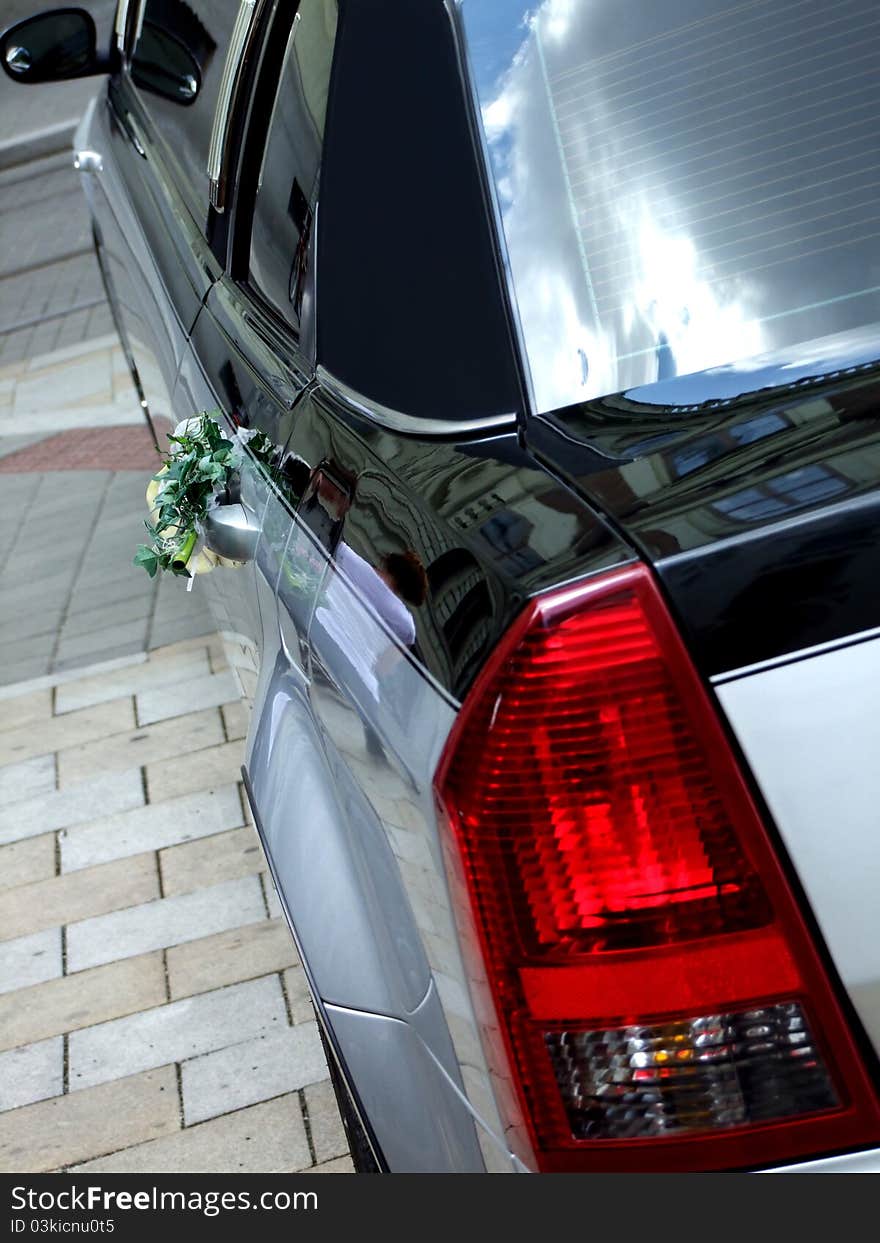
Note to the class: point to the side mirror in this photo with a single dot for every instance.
(163, 64)
(51, 47)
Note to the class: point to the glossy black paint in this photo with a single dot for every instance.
(757, 500)
(58, 44)
(489, 526)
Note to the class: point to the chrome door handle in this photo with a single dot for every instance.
(232, 531)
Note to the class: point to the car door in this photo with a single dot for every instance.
(250, 355)
(144, 146)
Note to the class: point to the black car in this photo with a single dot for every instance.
(558, 603)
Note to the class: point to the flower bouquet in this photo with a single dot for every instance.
(195, 474)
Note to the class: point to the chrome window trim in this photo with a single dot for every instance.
(490, 189)
(239, 41)
(409, 424)
(120, 24)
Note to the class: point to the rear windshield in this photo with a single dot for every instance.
(681, 185)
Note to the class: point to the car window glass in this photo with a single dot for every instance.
(682, 186)
(288, 181)
(176, 64)
(410, 309)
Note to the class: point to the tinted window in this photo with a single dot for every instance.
(682, 185)
(410, 305)
(177, 63)
(288, 181)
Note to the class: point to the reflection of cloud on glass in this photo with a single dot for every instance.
(637, 310)
(808, 360)
(553, 298)
(664, 180)
(703, 325)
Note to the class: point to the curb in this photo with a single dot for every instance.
(49, 141)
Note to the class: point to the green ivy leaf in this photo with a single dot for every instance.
(148, 558)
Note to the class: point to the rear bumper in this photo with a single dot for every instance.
(867, 1162)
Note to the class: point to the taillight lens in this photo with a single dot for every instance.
(660, 997)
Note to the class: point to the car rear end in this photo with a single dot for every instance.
(664, 996)
(657, 799)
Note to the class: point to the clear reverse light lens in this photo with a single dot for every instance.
(720, 1070)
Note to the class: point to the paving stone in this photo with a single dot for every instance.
(153, 827)
(170, 921)
(236, 718)
(251, 1071)
(273, 902)
(24, 709)
(64, 662)
(24, 658)
(92, 644)
(106, 618)
(25, 670)
(197, 621)
(31, 1073)
(298, 995)
(26, 780)
(81, 1000)
(211, 860)
(184, 773)
(27, 861)
(55, 680)
(264, 1139)
(228, 957)
(78, 896)
(60, 809)
(185, 695)
(33, 593)
(213, 643)
(46, 622)
(81, 1125)
(72, 730)
(341, 1165)
(109, 591)
(175, 1032)
(328, 1133)
(30, 960)
(98, 689)
(60, 387)
(148, 745)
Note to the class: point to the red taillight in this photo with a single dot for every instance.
(661, 1000)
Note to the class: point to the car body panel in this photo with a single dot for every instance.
(158, 265)
(867, 1162)
(429, 1130)
(818, 773)
(341, 752)
(757, 499)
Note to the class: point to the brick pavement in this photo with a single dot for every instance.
(153, 1015)
(51, 295)
(74, 460)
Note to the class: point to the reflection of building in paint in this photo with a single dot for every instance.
(516, 517)
(686, 491)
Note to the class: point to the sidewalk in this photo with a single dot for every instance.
(38, 119)
(75, 457)
(153, 1016)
